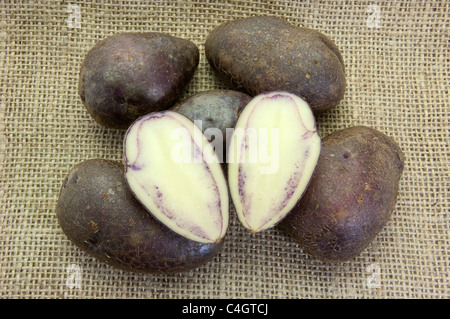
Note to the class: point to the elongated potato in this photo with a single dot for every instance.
(262, 53)
(174, 172)
(272, 155)
(99, 214)
(131, 74)
(351, 196)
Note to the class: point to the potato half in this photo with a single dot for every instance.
(174, 172)
(272, 155)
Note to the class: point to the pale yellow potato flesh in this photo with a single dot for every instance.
(174, 173)
(272, 155)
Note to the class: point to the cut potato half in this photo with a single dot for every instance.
(173, 171)
(272, 155)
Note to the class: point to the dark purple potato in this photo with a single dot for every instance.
(99, 214)
(272, 155)
(128, 75)
(172, 169)
(351, 196)
(216, 111)
(262, 54)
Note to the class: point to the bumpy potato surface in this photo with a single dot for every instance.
(352, 194)
(99, 214)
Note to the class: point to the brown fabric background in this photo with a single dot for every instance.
(398, 81)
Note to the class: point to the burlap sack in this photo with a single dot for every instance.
(397, 64)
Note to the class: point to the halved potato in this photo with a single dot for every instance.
(272, 155)
(174, 172)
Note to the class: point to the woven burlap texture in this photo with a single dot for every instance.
(397, 64)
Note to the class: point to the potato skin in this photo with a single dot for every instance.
(263, 53)
(128, 75)
(351, 195)
(99, 214)
(216, 109)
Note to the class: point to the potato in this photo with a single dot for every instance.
(128, 75)
(262, 53)
(99, 214)
(351, 196)
(215, 111)
(272, 155)
(172, 169)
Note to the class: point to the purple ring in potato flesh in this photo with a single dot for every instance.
(271, 157)
(174, 172)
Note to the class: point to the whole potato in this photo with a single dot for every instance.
(99, 214)
(351, 195)
(262, 53)
(128, 75)
(215, 109)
